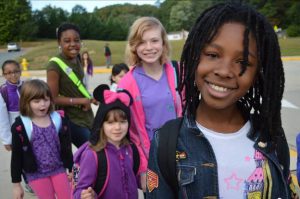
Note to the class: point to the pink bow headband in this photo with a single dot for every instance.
(110, 97)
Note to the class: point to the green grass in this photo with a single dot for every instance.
(290, 46)
(41, 51)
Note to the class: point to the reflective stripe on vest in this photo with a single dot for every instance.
(72, 76)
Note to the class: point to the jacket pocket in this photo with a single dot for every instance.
(186, 174)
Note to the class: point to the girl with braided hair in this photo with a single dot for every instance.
(230, 143)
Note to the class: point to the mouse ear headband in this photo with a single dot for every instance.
(104, 95)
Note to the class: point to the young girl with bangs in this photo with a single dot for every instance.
(109, 161)
(152, 82)
(41, 145)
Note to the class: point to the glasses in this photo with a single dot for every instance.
(16, 72)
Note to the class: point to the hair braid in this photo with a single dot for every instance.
(263, 100)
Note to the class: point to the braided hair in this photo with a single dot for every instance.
(263, 99)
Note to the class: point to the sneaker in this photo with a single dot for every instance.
(28, 188)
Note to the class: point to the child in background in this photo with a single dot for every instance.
(87, 68)
(41, 145)
(298, 157)
(152, 83)
(73, 98)
(117, 72)
(230, 142)
(9, 100)
(110, 133)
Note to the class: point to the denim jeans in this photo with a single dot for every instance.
(79, 134)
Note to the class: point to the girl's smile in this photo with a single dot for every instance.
(12, 73)
(70, 43)
(151, 47)
(218, 91)
(218, 75)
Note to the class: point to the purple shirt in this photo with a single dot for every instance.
(156, 98)
(46, 148)
(13, 97)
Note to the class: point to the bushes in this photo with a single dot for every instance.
(293, 30)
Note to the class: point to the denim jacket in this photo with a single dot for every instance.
(197, 174)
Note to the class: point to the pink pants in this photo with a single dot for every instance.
(47, 188)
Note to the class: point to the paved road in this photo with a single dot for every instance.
(4, 55)
(290, 115)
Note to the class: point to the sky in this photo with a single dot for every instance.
(88, 4)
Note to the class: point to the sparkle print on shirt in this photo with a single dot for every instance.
(233, 182)
(254, 185)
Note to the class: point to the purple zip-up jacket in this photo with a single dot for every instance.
(121, 181)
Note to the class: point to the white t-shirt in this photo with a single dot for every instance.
(235, 160)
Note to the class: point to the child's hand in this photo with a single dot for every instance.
(7, 147)
(18, 192)
(143, 182)
(88, 193)
(87, 105)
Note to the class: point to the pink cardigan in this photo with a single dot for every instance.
(138, 133)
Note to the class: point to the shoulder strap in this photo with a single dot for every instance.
(282, 150)
(3, 91)
(56, 118)
(70, 73)
(28, 123)
(176, 67)
(167, 143)
(136, 158)
(103, 173)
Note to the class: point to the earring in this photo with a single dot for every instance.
(59, 48)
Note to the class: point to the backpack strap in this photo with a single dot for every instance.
(103, 172)
(73, 77)
(136, 158)
(176, 71)
(55, 117)
(167, 143)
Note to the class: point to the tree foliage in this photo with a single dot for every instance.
(48, 19)
(18, 22)
(15, 20)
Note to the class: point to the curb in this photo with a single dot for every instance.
(290, 58)
(42, 73)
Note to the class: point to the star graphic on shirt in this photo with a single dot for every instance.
(233, 182)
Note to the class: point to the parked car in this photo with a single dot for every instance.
(12, 46)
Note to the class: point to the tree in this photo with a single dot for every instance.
(180, 15)
(15, 18)
(80, 17)
(117, 19)
(164, 13)
(48, 19)
(293, 16)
